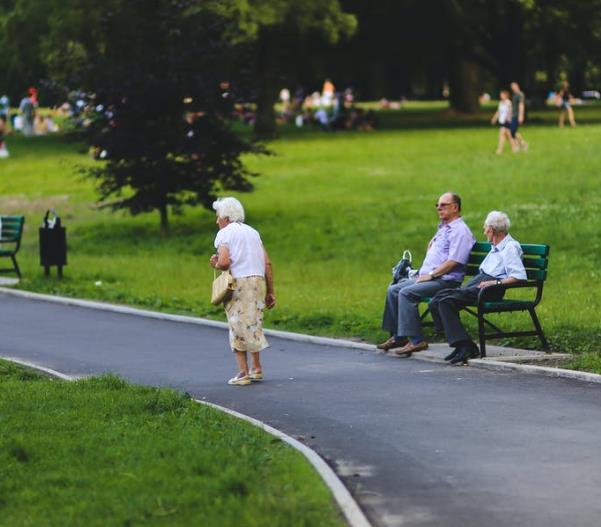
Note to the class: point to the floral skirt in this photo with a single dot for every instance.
(245, 314)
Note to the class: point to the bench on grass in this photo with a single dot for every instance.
(10, 240)
(536, 259)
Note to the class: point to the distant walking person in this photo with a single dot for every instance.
(27, 109)
(443, 267)
(518, 110)
(240, 249)
(565, 100)
(503, 117)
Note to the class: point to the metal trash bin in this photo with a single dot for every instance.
(53, 243)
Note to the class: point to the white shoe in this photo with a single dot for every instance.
(239, 380)
(256, 375)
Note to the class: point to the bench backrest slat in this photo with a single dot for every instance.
(529, 262)
(537, 274)
(12, 227)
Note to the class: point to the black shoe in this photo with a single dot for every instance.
(468, 351)
(453, 354)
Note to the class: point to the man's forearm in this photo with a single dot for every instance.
(444, 268)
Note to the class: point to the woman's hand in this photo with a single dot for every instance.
(213, 261)
(269, 300)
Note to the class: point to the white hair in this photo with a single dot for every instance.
(229, 208)
(498, 221)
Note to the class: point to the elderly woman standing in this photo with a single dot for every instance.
(502, 266)
(240, 249)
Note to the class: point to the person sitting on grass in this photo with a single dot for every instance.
(503, 117)
(502, 266)
(3, 132)
(443, 267)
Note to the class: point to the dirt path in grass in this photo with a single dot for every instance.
(417, 443)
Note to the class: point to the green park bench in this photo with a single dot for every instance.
(536, 258)
(10, 240)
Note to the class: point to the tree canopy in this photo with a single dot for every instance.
(384, 48)
(153, 71)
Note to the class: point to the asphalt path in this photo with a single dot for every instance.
(417, 443)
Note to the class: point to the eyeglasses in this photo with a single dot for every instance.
(442, 205)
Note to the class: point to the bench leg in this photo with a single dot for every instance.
(16, 265)
(481, 336)
(539, 329)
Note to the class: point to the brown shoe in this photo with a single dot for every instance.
(391, 343)
(410, 348)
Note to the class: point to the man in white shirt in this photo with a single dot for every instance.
(502, 266)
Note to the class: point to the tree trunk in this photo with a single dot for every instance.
(464, 86)
(265, 116)
(164, 219)
(577, 79)
(267, 80)
(379, 79)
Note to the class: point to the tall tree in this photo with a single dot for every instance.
(154, 67)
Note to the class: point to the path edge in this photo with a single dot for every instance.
(344, 499)
(296, 337)
(118, 308)
(493, 365)
(347, 504)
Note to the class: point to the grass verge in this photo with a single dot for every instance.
(102, 452)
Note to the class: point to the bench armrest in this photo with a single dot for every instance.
(483, 295)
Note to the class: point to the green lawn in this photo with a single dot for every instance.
(101, 452)
(335, 211)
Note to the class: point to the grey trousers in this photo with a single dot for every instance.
(446, 305)
(401, 314)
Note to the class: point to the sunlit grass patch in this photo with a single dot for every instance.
(104, 452)
(336, 210)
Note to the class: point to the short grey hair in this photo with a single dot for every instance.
(229, 208)
(498, 221)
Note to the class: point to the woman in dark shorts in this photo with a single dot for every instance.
(564, 100)
(503, 117)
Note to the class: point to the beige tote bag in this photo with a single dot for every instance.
(222, 287)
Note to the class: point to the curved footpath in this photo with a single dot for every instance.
(417, 443)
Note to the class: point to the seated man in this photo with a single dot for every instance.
(502, 265)
(443, 268)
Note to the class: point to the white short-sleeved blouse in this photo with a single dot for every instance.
(245, 247)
